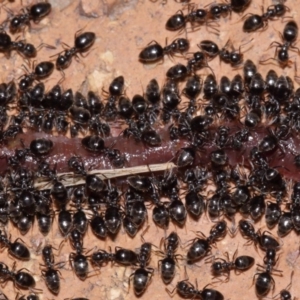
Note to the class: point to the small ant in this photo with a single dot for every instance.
(195, 16)
(238, 264)
(201, 246)
(290, 34)
(33, 13)
(255, 22)
(82, 43)
(142, 276)
(41, 71)
(168, 264)
(264, 281)
(187, 290)
(155, 51)
(219, 9)
(27, 50)
(265, 241)
(235, 58)
(20, 278)
(50, 273)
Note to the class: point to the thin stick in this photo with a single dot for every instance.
(72, 179)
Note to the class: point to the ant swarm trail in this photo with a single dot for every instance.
(153, 142)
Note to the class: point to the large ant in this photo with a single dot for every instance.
(290, 34)
(195, 16)
(255, 22)
(142, 275)
(20, 278)
(265, 241)
(239, 264)
(187, 290)
(167, 265)
(155, 51)
(33, 13)
(27, 50)
(233, 57)
(82, 43)
(41, 71)
(50, 273)
(264, 281)
(201, 246)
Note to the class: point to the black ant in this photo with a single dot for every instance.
(116, 89)
(152, 95)
(17, 249)
(27, 50)
(201, 246)
(219, 9)
(142, 276)
(238, 264)
(274, 139)
(222, 137)
(113, 213)
(290, 34)
(20, 278)
(33, 13)
(41, 71)
(187, 290)
(197, 62)
(156, 52)
(168, 264)
(285, 293)
(196, 180)
(170, 100)
(255, 22)
(95, 184)
(95, 144)
(262, 239)
(7, 96)
(192, 90)
(146, 185)
(82, 43)
(80, 221)
(210, 48)
(50, 274)
(136, 211)
(234, 58)
(122, 256)
(178, 72)
(264, 281)
(273, 215)
(179, 20)
(78, 261)
(31, 296)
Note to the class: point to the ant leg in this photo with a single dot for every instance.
(263, 62)
(245, 45)
(265, 26)
(275, 43)
(171, 293)
(65, 46)
(56, 54)
(296, 77)
(44, 45)
(62, 78)
(214, 29)
(35, 290)
(79, 31)
(295, 48)
(79, 60)
(25, 68)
